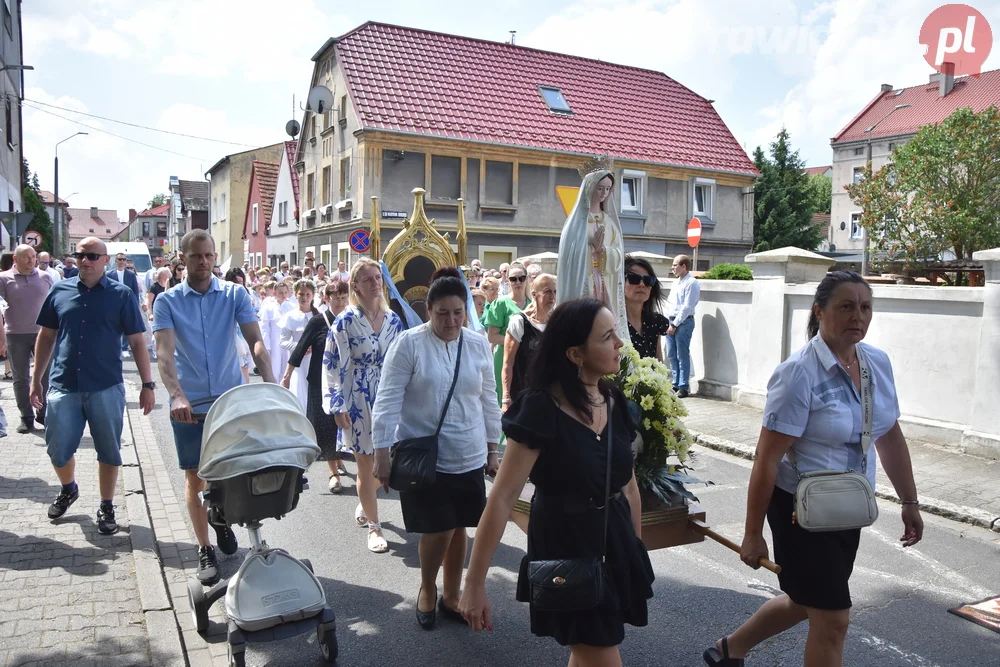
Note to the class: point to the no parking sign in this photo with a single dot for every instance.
(360, 240)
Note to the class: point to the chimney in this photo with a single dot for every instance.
(886, 87)
(93, 212)
(946, 79)
(132, 215)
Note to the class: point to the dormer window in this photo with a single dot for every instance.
(554, 99)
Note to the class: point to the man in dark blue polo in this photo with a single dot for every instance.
(194, 324)
(82, 319)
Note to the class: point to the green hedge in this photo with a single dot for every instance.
(728, 272)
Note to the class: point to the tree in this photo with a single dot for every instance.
(783, 200)
(820, 193)
(29, 178)
(940, 193)
(40, 222)
(158, 200)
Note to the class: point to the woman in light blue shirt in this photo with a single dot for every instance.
(813, 411)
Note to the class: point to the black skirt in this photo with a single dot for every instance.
(453, 501)
(325, 425)
(815, 567)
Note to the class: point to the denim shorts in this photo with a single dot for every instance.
(67, 413)
(187, 442)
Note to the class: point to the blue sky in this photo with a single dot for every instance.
(227, 69)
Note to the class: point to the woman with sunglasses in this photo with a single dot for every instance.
(646, 324)
(500, 312)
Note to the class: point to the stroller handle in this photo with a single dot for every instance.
(200, 416)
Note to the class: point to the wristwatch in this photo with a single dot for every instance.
(149, 385)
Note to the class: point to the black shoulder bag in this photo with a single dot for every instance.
(573, 584)
(414, 460)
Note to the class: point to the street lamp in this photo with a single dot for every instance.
(23, 68)
(57, 227)
(864, 230)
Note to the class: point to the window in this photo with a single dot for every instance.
(703, 265)
(222, 206)
(856, 231)
(859, 151)
(327, 185)
(161, 229)
(215, 210)
(282, 214)
(704, 191)
(223, 253)
(859, 174)
(631, 194)
(345, 178)
(9, 124)
(253, 223)
(499, 183)
(294, 258)
(554, 99)
(313, 133)
(446, 177)
(311, 190)
(892, 146)
(145, 228)
(342, 112)
(91, 230)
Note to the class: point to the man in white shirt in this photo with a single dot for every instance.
(681, 303)
(504, 283)
(45, 266)
(342, 275)
(149, 278)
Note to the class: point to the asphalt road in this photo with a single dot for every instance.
(701, 591)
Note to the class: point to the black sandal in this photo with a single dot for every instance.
(715, 659)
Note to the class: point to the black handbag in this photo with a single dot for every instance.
(413, 462)
(573, 584)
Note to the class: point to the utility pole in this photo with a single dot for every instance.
(57, 241)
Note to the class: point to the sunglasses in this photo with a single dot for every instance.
(44, 263)
(635, 279)
(92, 256)
(518, 279)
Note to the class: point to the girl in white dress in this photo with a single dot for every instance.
(273, 310)
(292, 326)
(355, 349)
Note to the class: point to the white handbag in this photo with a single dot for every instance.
(828, 500)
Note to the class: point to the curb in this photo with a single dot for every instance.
(161, 625)
(942, 508)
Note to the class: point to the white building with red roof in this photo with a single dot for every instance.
(149, 226)
(282, 225)
(889, 120)
(501, 126)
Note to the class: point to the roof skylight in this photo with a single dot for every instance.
(554, 99)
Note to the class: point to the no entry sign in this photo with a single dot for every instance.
(360, 240)
(694, 232)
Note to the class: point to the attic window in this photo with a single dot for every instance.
(554, 98)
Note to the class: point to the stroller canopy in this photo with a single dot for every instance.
(252, 427)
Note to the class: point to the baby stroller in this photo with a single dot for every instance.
(255, 447)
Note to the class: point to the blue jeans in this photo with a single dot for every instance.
(67, 413)
(679, 353)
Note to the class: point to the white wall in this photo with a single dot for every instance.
(934, 337)
(283, 240)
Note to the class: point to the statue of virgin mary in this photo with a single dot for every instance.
(592, 250)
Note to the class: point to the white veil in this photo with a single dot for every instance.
(574, 277)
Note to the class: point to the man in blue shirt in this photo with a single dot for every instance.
(194, 324)
(82, 319)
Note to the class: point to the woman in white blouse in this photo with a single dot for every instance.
(814, 411)
(416, 378)
(292, 326)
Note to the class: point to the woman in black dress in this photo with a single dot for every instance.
(646, 324)
(555, 432)
(314, 340)
(524, 333)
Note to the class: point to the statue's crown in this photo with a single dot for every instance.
(597, 163)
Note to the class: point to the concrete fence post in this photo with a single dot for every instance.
(772, 271)
(983, 436)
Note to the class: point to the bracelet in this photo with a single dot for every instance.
(910, 502)
(493, 451)
(506, 400)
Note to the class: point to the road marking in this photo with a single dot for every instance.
(883, 646)
(938, 568)
(950, 593)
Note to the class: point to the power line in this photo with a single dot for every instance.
(97, 129)
(141, 127)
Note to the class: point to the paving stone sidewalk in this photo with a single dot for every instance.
(68, 595)
(951, 484)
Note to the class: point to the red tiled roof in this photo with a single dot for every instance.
(82, 225)
(290, 149)
(414, 81)
(927, 107)
(48, 198)
(155, 212)
(266, 174)
(817, 171)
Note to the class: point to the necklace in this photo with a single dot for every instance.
(598, 432)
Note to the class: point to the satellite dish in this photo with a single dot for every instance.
(292, 128)
(320, 99)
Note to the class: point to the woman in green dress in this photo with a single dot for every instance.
(497, 316)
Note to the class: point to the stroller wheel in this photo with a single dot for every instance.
(199, 605)
(237, 659)
(308, 564)
(328, 644)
